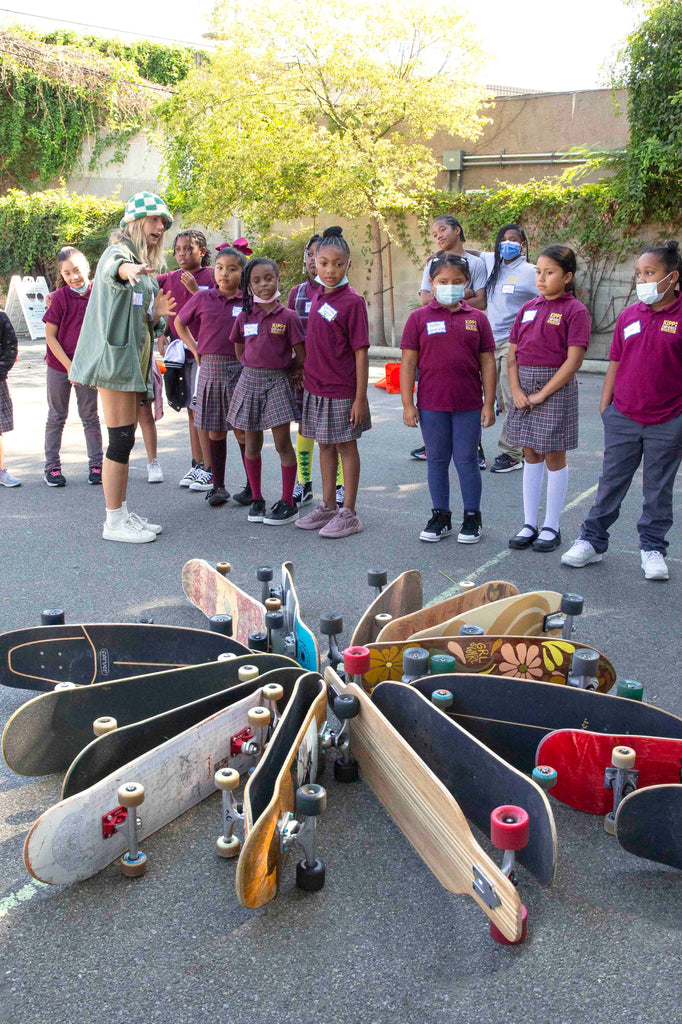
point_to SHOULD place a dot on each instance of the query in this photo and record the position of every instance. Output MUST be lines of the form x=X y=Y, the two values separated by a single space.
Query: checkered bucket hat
x=145 y=204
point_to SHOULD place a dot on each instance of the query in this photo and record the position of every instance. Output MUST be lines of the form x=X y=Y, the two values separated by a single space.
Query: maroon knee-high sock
x=288 y=483
x=253 y=472
x=218 y=459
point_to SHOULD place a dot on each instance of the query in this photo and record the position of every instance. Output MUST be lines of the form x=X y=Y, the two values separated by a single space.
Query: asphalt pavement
x=383 y=942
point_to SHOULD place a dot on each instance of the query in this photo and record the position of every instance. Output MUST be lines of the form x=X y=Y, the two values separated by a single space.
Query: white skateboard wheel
x=101 y=726
x=259 y=717
x=65 y=686
x=130 y=794
x=466 y=585
x=272 y=691
x=226 y=778
x=623 y=757
x=228 y=656
x=247 y=672
x=227 y=847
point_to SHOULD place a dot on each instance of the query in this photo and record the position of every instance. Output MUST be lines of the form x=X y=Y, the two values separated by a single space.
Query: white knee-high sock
x=533 y=475
x=557 y=485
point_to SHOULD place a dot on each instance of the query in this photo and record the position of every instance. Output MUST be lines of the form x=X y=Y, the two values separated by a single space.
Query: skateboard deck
x=107 y=753
x=402 y=628
x=215 y=594
x=66 y=844
x=511 y=716
x=540 y=658
x=522 y=615
x=580 y=759
x=401 y=597
x=291 y=759
x=45 y=734
x=40 y=658
x=649 y=824
x=299 y=640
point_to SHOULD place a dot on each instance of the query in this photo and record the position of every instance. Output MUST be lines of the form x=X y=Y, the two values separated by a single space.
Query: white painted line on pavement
x=23 y=895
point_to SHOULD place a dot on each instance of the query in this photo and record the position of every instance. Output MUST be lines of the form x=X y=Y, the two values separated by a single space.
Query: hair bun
x=673 y=245
x=333 y=232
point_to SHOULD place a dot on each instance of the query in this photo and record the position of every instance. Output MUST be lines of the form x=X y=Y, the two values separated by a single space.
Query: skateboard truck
x=584 y=669
x=311 y=801
x=571 y=606
x=227 y=780
x=332 y=626
x=377 y=578
x=244 y=742
x=620 y=776
x=130 y=795
x=272 y=692
x=221 y=624
x=415 y=664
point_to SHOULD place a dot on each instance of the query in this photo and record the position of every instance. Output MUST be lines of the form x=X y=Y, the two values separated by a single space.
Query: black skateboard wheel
x=311 y=799
x=468 y=629
x=572 y=604
x=585 y=663
x=221 y=624
x=345 y=771
x=258 y=641
x=415 y=662
x=310 y=877
x=346 y=706
x=264 y=574
x=377 y=578
x=331 y=625
x=144 y=620
x=274 y=620
x=52 y=617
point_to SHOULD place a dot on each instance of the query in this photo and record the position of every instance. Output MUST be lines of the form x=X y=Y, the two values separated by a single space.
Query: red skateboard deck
x=581 y=758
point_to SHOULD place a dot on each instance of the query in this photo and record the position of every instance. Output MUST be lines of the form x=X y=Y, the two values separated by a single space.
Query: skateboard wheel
x=346 y=706
x=259 y=717
x=377 y=578
x=310 y=877
x=246 y=673
x=502 y=939
x=629 y=688
x=52 y=617
x=258 y=641
x=623 y=757
x=442 y=664
x=345 y=771
x=133 y=868
x=331 y=625
x=442 y=699
x=381 y=620
x=144 y=620
x=610 y=823
x=273 y=604
x=130 y=794
x=227 y=847
x=221 y=624
x=356 y=661
x=226 y=778
x=274 y=619
x=264 y=574
x=101 y=726
x=227 y=656
x=311 y=799
x=272 y=691
x=545 y=776
x=468 y=629
x=224 y=568
x=466 y=585
x=65 y=686
x=509 y=827
x=572 y=604
x=415 y=662
x=585 y=663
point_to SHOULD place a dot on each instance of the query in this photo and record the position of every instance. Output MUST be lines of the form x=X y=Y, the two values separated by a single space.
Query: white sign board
x=26 y=305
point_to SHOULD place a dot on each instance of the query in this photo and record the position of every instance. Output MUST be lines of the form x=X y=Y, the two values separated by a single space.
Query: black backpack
x=176 y=383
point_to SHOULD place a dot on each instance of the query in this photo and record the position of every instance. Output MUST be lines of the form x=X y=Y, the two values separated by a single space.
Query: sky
x=551 y=47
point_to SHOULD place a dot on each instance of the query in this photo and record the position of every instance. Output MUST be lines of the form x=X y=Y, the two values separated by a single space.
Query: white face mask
x=82 y=290
x=649 y=293
x=333 y=287
x=449 y=294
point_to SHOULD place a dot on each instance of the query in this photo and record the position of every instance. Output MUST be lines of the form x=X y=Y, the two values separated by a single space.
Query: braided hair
x=332 y=238
x=497 y=263
x=245 y=286
x=195 y=236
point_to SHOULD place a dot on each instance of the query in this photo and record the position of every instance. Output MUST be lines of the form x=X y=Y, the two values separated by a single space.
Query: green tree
x=310 y=108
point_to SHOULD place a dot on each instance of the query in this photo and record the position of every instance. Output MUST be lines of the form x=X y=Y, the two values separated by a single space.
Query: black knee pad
x=121 y=441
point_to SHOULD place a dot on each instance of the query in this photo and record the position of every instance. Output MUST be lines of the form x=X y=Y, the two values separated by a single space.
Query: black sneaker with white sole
x=244 y=497
x=257 y=510
x=471 y=529
x=438 y=526
x=303 y=493
x=506 y=464
x=280 y=513
x=218 y=496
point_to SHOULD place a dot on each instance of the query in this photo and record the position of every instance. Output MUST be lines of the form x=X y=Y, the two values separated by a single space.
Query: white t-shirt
x=515 y=285
x=477 y=269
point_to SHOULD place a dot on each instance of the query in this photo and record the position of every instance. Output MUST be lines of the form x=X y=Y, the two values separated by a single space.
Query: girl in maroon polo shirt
x=335 y=407
x=63 y=321
x=264 y=335
x=204 y=325
x=547 y=345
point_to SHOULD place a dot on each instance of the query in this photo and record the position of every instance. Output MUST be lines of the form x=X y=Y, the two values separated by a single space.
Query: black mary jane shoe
x=548 y=545
x=518 y=543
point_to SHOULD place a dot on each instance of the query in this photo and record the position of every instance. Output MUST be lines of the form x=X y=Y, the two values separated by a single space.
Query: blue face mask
x=510 y=250
x=343 y=281
x=80 y=291
x=449 y=294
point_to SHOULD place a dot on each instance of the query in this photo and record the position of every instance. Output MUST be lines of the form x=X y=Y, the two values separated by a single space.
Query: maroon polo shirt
x=66 y=312
x=449 y=344
x=172 y=283
x=268 y=338
x=544 y=329
x=210 y=316
x=647 y=346
x=337 y=328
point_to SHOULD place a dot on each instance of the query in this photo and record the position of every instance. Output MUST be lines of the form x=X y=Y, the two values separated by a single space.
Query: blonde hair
x=152 y=256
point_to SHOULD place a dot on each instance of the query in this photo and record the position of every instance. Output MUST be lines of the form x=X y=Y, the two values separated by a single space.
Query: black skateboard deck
x=108 y=753
x=511 y=716
x=45 y=734
x=40 y=658
x=649 y=824
x=478 y=779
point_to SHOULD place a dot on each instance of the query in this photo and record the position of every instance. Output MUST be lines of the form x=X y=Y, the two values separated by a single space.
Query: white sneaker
x=203 y=480
x=154 y=528
x=580 y=553
x=154 y=472
x=189 y=477
x=130 y=531
x=654 y=565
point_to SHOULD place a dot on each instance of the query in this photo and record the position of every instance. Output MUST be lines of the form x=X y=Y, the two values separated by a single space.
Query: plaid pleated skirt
x=6 y=413
x=262 y=399
x=218 y=376
x=551 y=426
x=327 y=420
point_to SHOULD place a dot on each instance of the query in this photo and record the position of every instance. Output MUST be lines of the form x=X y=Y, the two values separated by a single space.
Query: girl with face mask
x=641 y=408
x=452 y=346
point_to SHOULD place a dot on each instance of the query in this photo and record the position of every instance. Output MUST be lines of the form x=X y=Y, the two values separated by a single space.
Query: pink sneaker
x=316 y=519
x=343 y=524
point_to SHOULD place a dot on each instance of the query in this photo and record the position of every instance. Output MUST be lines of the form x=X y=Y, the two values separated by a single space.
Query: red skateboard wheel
x=509 y=827
x=502 y=939
x=356 y=661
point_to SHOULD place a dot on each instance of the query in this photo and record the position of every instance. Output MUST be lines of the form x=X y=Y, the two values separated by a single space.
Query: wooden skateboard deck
x=403 y=628
x=580 y=759
x=66 y=844
x=215 y=594
x=649 y=824
x=538 y=659
x=46 y=733
x=107 y=753
x=511 y=716
x=522 y=615
x=291 y=759
x=401 y=597
x=40 y=658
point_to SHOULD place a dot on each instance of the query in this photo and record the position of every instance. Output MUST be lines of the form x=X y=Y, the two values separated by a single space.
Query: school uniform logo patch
x=436 y=327
x=471 y=325
x=277 y=328
x=669 y=326
x=554 y=318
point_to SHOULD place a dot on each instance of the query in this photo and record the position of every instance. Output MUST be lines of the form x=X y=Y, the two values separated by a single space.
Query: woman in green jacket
x=116 y=345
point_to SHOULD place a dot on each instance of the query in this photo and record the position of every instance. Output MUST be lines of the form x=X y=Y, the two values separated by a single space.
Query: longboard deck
x=649 y=824
x=290 y=760
x=522 y=615
x=307 y=652
x=46 y=733
x=40 y=658
x=106 y=754
x=434 y=615
x=580 y=759
x=511 y=716
x=215 y=594
x=400 y=597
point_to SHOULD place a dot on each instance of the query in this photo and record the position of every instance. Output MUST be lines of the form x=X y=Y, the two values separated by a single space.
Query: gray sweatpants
x=626 y=442
x=58 y=395
x=504 y=398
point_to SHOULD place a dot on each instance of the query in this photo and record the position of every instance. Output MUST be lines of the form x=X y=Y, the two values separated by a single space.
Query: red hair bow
x=239 y=243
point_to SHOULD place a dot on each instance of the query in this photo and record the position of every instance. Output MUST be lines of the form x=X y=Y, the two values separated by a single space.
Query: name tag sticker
x=138 y=298
x=528 y=316
x=634 y=328
x=436 y=327
x=328 y=312
x=250 y=330
x=508 y=289
x=203 y=287
x=236 y=310
x=307 y=307
x=150 y=308
x=669 y=326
